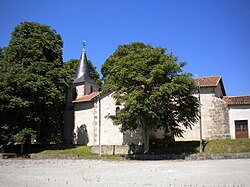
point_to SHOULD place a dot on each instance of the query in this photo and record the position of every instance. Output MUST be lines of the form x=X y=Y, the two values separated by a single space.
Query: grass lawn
x=188 y=147
x=209 y=147
x=82 y=151
x=227 y=146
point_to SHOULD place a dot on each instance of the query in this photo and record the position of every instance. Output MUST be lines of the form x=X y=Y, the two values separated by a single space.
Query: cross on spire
x=84 y=44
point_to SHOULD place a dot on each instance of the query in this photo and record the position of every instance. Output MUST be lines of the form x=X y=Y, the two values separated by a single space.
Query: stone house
x=222 y=116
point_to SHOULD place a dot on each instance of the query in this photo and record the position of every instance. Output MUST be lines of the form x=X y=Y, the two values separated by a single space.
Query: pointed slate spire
x=82 y=73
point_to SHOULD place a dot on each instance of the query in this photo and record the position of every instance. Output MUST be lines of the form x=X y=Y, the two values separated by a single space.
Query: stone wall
x=214 y=118
x=117 y=149
x=219 y=126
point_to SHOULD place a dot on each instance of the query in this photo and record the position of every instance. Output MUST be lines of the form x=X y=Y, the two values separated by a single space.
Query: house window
x=91 y=89
x=117 y=110
x=241 y=129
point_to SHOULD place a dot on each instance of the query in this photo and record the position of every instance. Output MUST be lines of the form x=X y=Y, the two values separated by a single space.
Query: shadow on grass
x=36 y=148
x=185 y=147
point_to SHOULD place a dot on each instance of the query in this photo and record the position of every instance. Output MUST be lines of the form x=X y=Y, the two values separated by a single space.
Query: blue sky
x=213 y=36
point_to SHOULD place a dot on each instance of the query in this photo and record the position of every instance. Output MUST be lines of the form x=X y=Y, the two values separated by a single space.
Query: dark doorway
x=241 y=129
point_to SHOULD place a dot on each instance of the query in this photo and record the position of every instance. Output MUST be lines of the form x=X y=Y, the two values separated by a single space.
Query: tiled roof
x=86 y=98
x=237 y=100
x=211 y=81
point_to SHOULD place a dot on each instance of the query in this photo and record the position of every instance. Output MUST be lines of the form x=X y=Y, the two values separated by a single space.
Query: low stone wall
x=53 y=156
x=138 y=156
x=117 y=149
x=156 y=157
x=218 y=156
x=190 y=157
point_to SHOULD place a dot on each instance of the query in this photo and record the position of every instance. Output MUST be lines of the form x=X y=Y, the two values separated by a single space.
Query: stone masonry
x=219 y=126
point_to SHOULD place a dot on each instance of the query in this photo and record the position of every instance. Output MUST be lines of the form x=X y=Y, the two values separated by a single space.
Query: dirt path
x=28 y=172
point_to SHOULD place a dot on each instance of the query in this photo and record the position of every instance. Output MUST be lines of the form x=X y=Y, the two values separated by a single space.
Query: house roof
x=237 y=100
x=86 y=98
x=211 y=81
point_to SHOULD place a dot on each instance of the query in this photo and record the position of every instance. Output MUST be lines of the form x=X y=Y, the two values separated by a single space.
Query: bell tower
x=83 y=83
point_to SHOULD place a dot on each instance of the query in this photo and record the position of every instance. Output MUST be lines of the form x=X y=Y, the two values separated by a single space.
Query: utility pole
x=100 y=148
x=199 y=96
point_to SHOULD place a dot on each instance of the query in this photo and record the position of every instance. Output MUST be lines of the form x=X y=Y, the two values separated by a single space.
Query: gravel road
x=214 y=173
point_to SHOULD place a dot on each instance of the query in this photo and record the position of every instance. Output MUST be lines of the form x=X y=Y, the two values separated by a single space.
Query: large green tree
x=33 y=83
x=153 y=89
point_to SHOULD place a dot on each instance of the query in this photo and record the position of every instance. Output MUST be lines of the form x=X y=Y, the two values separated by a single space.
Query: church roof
x=82 y=73
x=211 y=81
x=237 y=100
x=86 y=98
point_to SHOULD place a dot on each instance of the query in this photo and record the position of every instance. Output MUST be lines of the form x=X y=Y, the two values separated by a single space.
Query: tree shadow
x=36 y=148
x=134 y=140
x=180 y=147
x=82 y=137
x=132 y=137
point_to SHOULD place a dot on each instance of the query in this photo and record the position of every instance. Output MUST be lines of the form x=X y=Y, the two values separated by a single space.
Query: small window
x=91 y=89
x=117 y=110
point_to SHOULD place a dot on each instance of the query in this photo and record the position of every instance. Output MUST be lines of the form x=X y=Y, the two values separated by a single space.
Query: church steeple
x=82 y=74
x=83 y=82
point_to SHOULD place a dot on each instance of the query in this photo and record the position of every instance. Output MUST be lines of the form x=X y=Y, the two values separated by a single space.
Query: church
x=86 y=119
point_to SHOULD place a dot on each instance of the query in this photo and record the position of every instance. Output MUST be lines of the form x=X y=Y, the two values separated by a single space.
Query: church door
x=241 y=129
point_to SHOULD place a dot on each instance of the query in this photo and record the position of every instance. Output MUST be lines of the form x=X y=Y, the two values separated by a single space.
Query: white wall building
x=222 y=116
x=239 y=116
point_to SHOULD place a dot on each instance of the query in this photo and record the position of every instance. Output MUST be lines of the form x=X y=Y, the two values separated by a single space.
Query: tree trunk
x=146 y=145
x=145 y=137
x=22 y=148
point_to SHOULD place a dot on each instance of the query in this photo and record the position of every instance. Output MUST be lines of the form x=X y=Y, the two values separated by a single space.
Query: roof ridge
x=218 y=80
x=237 y=100
x=207 y=77
x=238 y=96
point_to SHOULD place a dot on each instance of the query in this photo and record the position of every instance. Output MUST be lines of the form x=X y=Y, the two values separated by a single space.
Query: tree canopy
x=33 y=83
x=153 y=89
x=32 y=44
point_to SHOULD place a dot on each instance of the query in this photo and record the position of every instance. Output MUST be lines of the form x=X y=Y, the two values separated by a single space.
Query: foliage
x=23 y=135
x=154 y=90
x=2 y=51
x=33 y=43
x=33 y=83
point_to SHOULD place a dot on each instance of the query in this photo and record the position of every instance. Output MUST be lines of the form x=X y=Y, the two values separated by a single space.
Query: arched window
x=117 y=109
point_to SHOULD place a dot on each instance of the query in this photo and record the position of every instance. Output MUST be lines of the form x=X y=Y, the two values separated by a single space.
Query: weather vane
x=84 y=44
